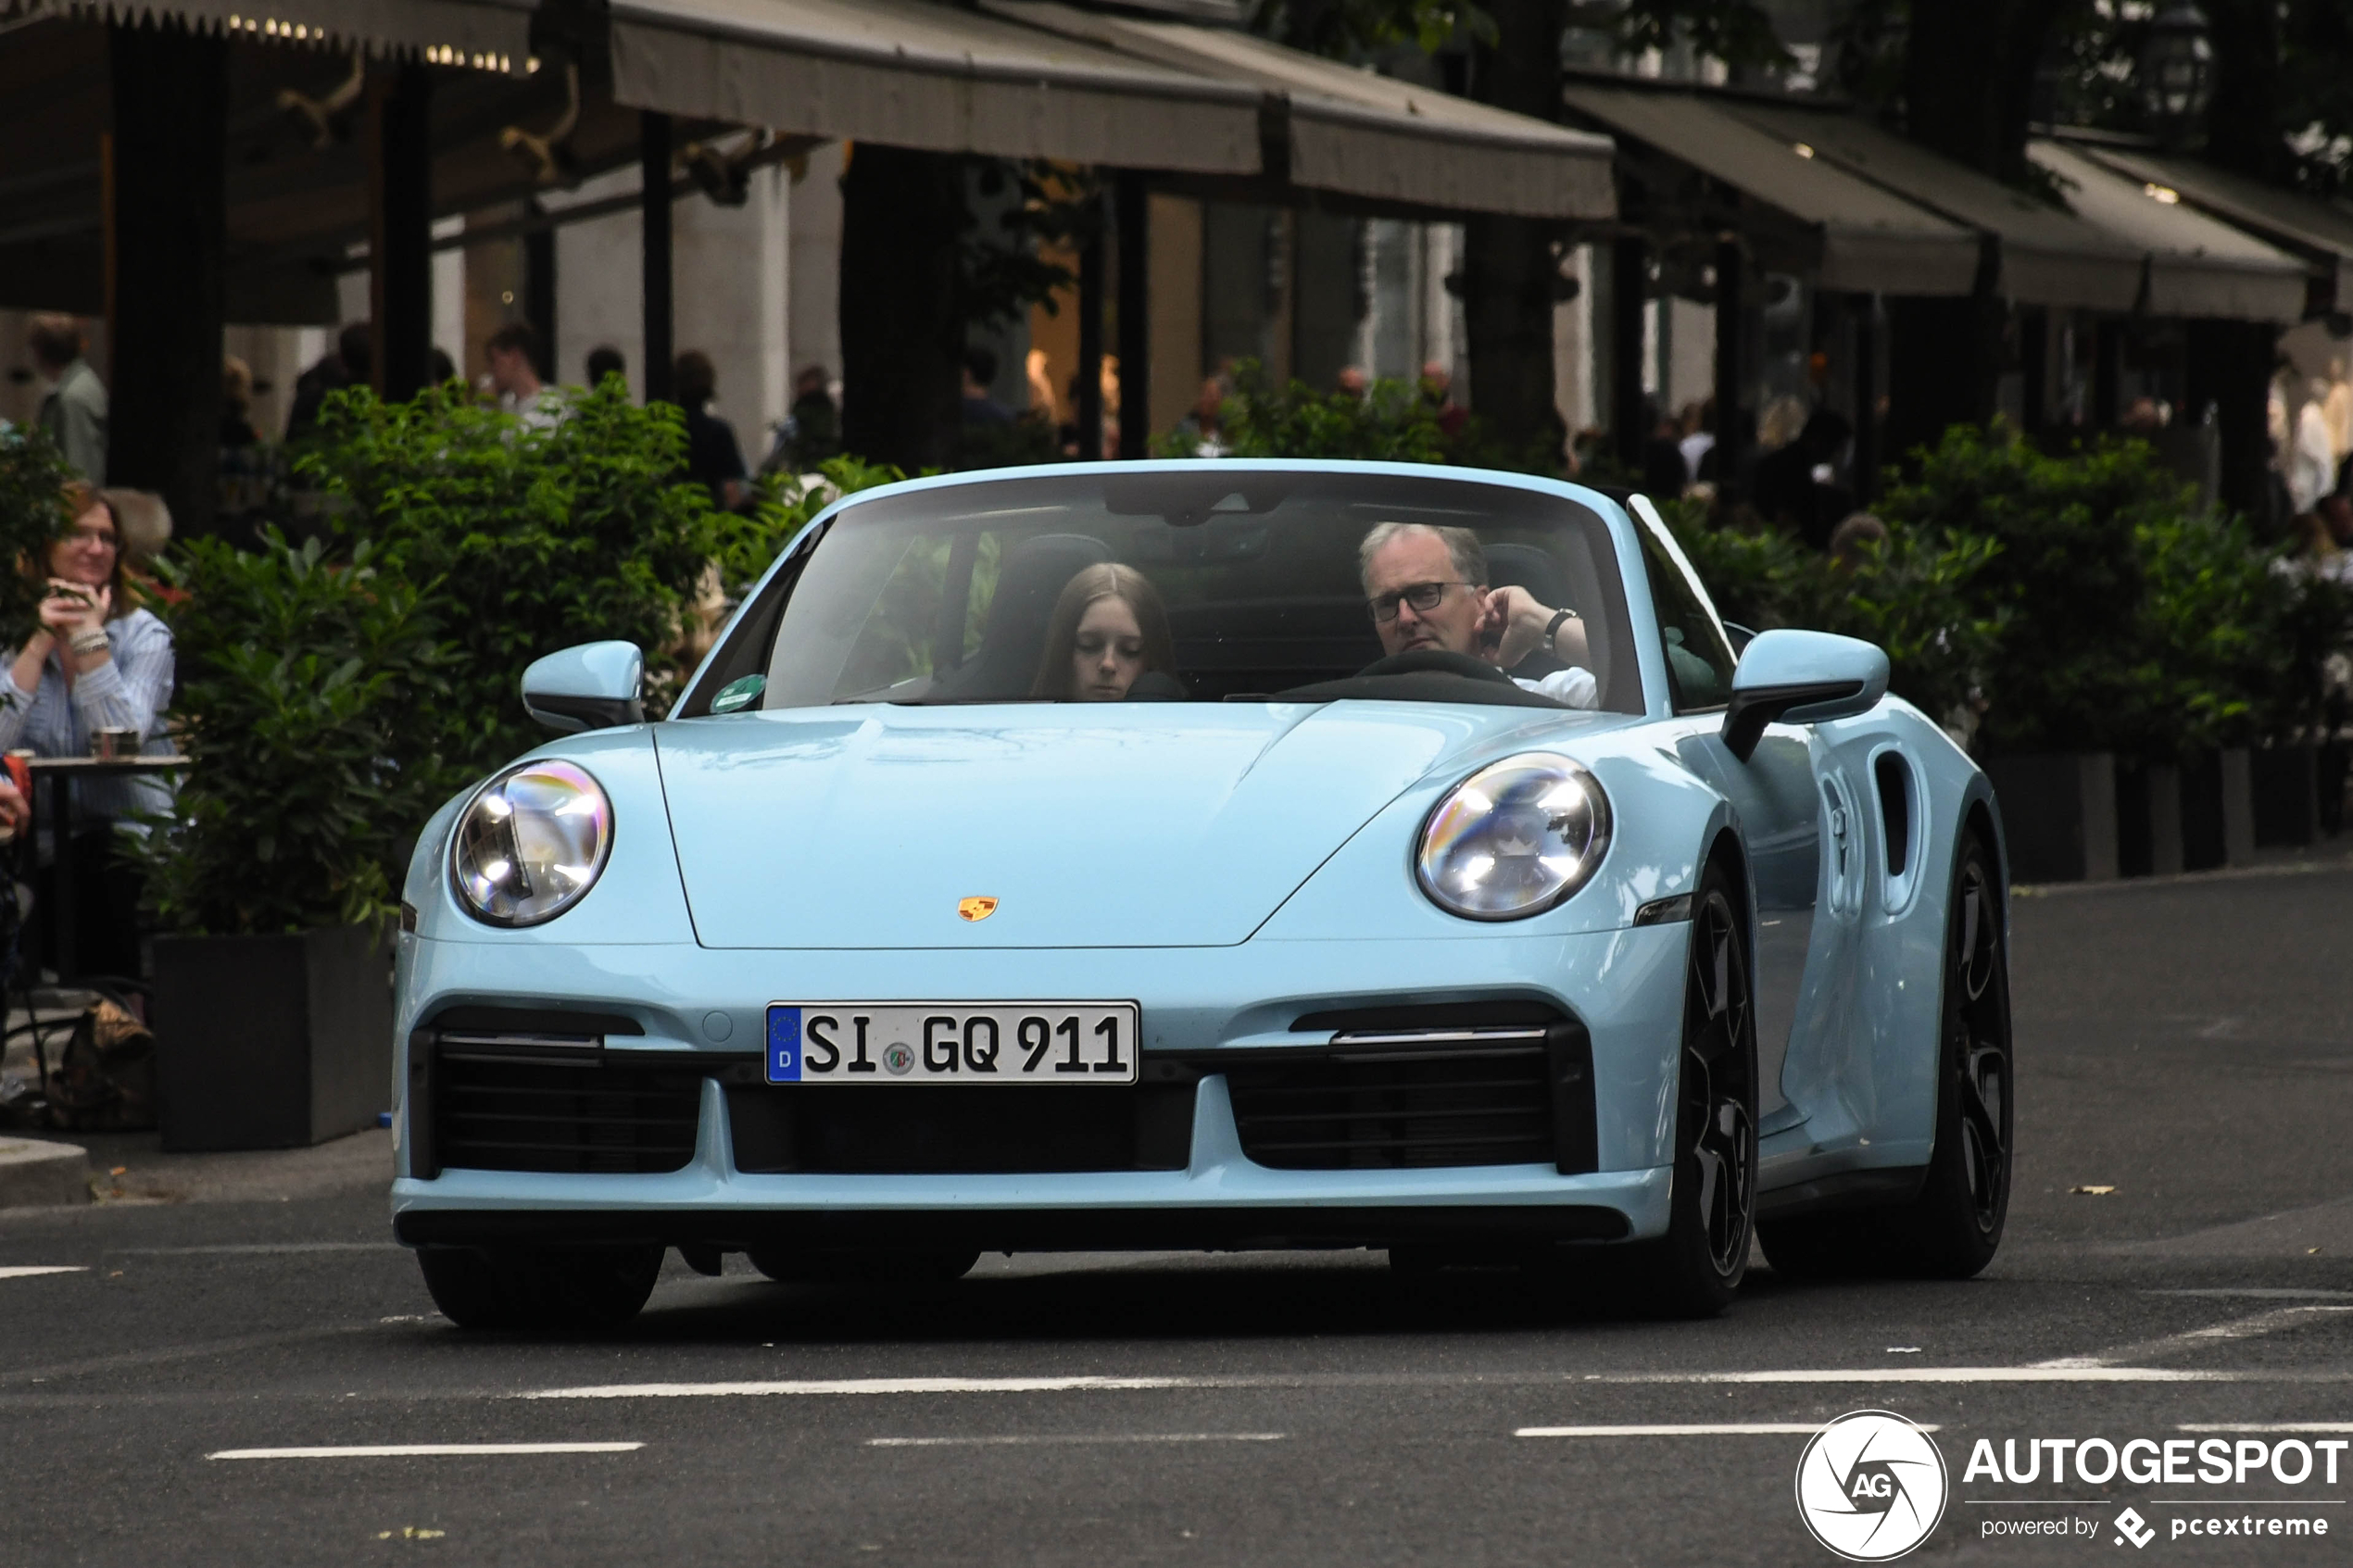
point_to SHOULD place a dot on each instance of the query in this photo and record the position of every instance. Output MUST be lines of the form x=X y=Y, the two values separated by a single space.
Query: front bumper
x=1624 y=987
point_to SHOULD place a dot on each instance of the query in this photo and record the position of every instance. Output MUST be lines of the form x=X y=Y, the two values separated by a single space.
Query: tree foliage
x=296 y=673
x=536 y=538
x=33 y=475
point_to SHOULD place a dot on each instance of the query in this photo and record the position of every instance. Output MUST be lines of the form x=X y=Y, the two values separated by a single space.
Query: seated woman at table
x=97 y=661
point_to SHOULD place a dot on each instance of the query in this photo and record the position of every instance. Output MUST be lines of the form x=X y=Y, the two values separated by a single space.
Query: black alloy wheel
x=568 y=1288
x=1696 y=1268
x=1952 y=1227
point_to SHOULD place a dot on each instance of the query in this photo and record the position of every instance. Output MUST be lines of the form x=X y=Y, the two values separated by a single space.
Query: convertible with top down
x=1211 y=854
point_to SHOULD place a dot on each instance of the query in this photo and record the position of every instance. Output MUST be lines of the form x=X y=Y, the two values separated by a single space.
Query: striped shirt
x=129 y=692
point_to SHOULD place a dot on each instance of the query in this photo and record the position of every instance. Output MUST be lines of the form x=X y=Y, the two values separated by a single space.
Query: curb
x=35 y=1175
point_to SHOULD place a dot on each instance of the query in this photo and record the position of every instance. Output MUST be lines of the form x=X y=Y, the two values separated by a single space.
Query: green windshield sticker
x=739 y=694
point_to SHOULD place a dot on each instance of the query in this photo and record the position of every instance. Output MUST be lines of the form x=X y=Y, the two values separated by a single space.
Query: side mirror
x=1801 y=677
x=593 y=686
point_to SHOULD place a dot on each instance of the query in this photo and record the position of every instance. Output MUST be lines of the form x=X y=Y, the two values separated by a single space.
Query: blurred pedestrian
x=1204 y=425
x=1788 y=487
x=1351 y=382
x=73 y=410
x=350 y=364
x=2311 y=466
x=440 y=367
x=1698 y=424
x=236 y=404
x=605 y=360
x=95 y=661
x=815 y=422
x=1664 y=473
x=1855 y=540
x=714 y=460
x=980 y=408
x=512 y=353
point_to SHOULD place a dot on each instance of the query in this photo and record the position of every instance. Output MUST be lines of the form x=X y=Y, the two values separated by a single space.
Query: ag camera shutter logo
x=1871 y=1485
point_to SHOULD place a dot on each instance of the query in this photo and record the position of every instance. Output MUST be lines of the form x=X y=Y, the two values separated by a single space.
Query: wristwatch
x=1552 y=628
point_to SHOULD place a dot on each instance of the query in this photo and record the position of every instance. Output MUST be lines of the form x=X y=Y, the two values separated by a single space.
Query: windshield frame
x=748 y=639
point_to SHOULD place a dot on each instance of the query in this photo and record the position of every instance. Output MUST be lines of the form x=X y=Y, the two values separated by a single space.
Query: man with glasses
x=1427 y=589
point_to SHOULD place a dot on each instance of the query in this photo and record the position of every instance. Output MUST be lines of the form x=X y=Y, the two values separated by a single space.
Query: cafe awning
x=2198 y=266
x=932 y=77
x=1357 y=134
x=2048 y=256
x=2320 y=232
x=1029 y=79
x=480 y=34
x=1850 y=232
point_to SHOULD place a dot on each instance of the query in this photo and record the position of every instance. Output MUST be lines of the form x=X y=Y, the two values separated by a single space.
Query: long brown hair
x=1109 y=580
x=81 y=496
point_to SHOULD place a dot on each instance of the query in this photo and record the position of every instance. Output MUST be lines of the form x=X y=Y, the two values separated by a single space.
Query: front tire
x=559 y=1289
x=1696 y=1269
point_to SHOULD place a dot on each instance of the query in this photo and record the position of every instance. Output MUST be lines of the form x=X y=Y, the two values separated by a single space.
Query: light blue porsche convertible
x=1211 y=854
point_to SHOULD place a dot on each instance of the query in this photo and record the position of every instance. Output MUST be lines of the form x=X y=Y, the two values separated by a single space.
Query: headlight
x=1514 y=839
x=529 y=843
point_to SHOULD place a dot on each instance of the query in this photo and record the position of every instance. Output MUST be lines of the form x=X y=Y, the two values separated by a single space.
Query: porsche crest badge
x=977 y=908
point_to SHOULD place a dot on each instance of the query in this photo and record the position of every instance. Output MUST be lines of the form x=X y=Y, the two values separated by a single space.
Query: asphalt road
x=2187 y=1044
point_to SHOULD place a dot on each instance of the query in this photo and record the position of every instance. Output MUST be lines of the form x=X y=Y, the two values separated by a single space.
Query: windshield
x=1208 y=585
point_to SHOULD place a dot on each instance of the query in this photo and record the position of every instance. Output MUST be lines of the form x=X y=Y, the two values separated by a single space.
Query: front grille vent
x=1403 y=1099
x=496 y=1111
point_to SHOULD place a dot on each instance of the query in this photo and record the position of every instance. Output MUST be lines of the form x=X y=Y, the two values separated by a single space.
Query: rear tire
x=1953 y=1228
x=582 y=1288
x=1696 y=1269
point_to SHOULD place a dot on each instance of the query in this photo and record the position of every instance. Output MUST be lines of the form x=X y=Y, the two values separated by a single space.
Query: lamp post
x=2176 y=75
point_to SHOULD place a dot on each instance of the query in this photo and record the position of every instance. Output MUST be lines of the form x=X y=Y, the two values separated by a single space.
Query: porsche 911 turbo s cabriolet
x=1210 y=854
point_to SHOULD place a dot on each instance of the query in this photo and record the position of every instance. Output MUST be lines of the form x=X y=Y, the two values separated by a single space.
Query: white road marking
x=257 y=1249
x=2265 y=1427
x=407 y=1451
x=2260 y=1293
x=1825 y=1376
x=870 y=1385
x=26 y=1271
x=1041 y=1438
x=2199 y=1339
x=1699 y=1429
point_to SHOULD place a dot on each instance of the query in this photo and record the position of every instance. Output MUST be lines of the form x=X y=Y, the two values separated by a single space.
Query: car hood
x=1120 y=826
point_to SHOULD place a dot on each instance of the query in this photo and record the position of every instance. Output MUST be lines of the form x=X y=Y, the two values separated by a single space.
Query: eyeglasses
x=96 y=536
x=1423 y=597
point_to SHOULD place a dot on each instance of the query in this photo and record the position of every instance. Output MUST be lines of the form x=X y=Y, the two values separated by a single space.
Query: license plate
x=1071 y=1043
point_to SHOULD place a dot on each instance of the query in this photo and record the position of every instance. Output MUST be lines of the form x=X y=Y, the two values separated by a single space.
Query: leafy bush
x=1392 y=422
x=1914 y=596
x=535 y=539
x=33 y=475
x=749 y=543
x=294 y=675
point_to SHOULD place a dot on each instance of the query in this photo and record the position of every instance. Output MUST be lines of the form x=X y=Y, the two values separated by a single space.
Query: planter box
x=2059 y=815
x=2218 y=810
x=2287 y=797
x=270 y=1042
x=2148 y=820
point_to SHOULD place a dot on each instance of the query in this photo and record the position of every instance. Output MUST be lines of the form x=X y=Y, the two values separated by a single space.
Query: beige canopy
x=1864 y=238
x=483 y=34
x=2320 y=232
x=927 y=76
x=2197 y=265
x=1029 y=79
x=2048 y=256
x=1354 y=132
